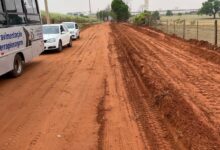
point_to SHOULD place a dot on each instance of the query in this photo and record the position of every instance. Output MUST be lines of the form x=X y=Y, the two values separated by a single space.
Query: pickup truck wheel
x=18 y=66
x=70 y=43
x=60 y=47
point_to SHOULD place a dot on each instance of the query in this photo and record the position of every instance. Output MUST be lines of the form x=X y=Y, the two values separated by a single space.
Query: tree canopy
x=169 y=13
x=121 y=10
x=147 y=18
x=156 y=15
x=210 y=7
x=103 y=14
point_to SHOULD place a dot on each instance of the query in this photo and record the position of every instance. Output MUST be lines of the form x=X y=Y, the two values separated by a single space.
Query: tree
x=210 y=7
x=156 y=15
x=146 y=18
x=121 y=10
x=103 y=15
x=142 y=18
x=169 y=13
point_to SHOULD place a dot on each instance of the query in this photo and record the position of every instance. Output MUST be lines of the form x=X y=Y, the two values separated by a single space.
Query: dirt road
x=119 y=88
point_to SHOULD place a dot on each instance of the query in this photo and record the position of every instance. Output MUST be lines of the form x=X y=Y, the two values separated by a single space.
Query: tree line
x=119 y=11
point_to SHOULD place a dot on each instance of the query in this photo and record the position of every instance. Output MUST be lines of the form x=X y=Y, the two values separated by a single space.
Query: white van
x=74 y=29
x=21 y=37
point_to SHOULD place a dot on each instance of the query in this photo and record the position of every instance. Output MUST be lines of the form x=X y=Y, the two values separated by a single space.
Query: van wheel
x=18 y=66
x=78 y=36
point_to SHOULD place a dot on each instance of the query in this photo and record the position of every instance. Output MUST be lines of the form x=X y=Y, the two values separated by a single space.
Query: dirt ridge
x=165 y=96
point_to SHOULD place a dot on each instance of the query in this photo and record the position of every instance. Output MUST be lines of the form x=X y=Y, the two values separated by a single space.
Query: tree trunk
x=214 y=16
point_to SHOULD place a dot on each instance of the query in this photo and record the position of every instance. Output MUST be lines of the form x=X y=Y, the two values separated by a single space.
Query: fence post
x=197 y=30
x=174 y=25
x=216 y=32
x=184 y=29
x=167 y=26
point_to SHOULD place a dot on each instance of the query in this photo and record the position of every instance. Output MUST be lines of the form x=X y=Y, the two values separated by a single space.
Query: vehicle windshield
x=70 y=25
x=51 y=30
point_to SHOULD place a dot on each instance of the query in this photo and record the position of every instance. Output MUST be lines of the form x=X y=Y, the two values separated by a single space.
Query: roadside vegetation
x=146 y=18
x=198 y=25
x=211 y=8
x=58 y=18
x=119 y=11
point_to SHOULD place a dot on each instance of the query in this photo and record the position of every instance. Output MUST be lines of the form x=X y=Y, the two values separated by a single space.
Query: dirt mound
x=172 y=80
x=203 y=44
x=200 y=43
x=199 y=48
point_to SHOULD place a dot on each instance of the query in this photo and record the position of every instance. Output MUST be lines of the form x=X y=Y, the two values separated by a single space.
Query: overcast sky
x=65 y=6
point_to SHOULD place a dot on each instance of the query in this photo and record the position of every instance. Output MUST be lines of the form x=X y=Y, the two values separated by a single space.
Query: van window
x=70 y=25
x=3 y=21
x=34 y=6
x=18 y=5
x=31 y=6
x=16 y=19
x=10 y=6
x=1 y=8
x=14 y=6
x=33 y=19
x=65 y=28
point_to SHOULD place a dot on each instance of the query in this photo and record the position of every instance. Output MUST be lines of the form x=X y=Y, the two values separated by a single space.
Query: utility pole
x=47 y=11
x=90 y=8
x=146 y=4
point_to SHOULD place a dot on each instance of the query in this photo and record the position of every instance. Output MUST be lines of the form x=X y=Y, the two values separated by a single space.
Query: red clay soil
x=120 y=87
x=197 y=47
x=74 y=100
x=164 y=76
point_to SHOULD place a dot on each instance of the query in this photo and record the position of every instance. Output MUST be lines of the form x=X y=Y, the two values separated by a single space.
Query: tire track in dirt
x=201 y=83
x=20 y=129
x=101 y=117
x=207 y=86
x=181 y=48
x=56 y=60
x=144 y=54
x=153 y=127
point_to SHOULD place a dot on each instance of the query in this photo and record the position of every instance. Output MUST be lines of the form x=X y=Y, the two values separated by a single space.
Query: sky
x=64 y=6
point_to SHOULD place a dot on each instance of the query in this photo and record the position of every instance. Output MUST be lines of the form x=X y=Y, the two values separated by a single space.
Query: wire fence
x=202 y=30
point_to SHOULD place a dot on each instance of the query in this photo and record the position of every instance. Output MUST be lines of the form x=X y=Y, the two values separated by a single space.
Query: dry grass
x=205 y=27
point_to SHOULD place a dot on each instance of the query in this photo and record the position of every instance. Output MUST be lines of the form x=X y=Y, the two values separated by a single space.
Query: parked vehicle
x=56 y=36
x=21 y=37
x=74 y=29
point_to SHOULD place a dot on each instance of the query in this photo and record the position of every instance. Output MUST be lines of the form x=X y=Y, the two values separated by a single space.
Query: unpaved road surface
x=119 y=88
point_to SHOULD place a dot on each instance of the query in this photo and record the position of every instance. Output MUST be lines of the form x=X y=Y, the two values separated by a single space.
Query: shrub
x=146 y=18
